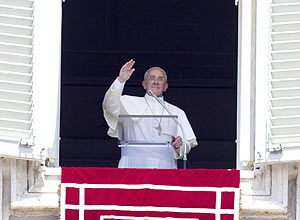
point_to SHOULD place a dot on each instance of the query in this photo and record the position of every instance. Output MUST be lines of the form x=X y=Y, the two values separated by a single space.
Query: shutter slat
x=286 y=26
x=6 y=133
x=16 y=20
x=292 y=140
x=15 y=39
x=15 y=105
x=286 y=45
x=286 y=130
x=286 y=92
x=286 y=17
x=286 y=120
x=285 y=1
x=285 y=73
x=287 y=83
x=15 y=114
x=16 y=67
x=286 y=55
x=18 y=3
x=285 y=64
x=16 y=58
x=286 y=7
x=15 y=48
x=15 y=86
x=16 y=29
x=285 y=102
x=16 y=11
x=15 y=124
x=15 y=76
x=285 y=111
x=285 y=36
x=15 y=96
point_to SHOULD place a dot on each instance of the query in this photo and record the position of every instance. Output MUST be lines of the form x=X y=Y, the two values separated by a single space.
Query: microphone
x=177 y=122
x=163 y=105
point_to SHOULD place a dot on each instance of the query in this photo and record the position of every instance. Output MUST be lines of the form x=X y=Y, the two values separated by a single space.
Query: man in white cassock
x=116 y=104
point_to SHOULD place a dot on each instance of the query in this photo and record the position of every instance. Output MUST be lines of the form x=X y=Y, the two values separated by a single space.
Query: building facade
x=268 y=120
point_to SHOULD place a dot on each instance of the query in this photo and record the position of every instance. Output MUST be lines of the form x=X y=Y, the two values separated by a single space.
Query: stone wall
x=28 y=190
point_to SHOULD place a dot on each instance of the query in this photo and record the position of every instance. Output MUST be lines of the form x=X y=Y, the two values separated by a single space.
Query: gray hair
x=156 y=67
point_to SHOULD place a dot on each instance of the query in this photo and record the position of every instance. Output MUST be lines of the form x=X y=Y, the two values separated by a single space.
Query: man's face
x=156 y=82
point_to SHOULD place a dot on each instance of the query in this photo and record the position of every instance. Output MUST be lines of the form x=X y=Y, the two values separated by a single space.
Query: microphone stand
x=177 y=122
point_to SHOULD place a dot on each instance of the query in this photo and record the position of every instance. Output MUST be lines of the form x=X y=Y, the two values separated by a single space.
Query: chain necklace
x=159 y=122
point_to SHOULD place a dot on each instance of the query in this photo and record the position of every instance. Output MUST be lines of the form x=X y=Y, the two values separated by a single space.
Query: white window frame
x=246 y=82
x=262 y=74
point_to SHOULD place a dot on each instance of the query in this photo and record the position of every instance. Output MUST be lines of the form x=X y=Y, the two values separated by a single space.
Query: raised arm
x=111 y=102
x=126 y=71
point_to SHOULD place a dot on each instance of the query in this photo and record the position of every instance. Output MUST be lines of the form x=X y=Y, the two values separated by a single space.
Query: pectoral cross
x=159 y=129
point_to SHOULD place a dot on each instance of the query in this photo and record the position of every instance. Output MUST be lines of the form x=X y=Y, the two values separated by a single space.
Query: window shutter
x=284 y=93
x=16 y=107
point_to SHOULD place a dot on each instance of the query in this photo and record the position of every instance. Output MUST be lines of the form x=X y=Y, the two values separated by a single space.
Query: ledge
x=55 y=171
x=261 y=205
x=36 y=204
x=246 y=174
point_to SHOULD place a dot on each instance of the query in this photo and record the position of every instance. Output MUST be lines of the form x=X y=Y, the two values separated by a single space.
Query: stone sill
x=246 y=174
x=36 y=204
x=53 y=171
x=261 y=205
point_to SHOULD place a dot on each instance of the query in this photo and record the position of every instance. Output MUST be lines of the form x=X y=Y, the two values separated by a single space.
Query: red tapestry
x=149 y=194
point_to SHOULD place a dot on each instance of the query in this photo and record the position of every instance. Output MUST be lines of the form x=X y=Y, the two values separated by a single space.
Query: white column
x=246 y=83
x=262 y=74
x=46 y=77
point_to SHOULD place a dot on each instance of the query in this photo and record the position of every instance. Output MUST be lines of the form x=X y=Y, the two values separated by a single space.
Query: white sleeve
x=112 y=105
x=117 y=85
x=111 y=102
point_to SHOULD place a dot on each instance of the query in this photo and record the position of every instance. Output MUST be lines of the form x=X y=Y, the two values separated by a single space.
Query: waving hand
x=126 y=71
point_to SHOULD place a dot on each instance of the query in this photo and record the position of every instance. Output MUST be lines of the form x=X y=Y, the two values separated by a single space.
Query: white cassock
x=114 y=104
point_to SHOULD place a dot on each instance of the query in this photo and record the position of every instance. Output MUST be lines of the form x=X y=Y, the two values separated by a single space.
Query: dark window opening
x=194 y=41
